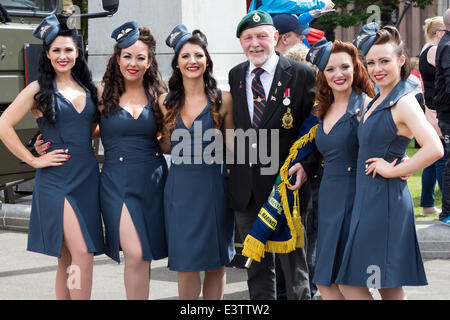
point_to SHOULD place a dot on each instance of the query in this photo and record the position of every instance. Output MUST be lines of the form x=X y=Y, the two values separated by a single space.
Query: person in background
x=306 y=11
x=415 y=68
x=415 y=76
x=291 y=32
x=441 y=103
x=427 y=68
x=289 y=6
x=299 y=53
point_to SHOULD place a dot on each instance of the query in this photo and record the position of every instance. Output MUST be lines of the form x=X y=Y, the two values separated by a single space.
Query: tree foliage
x=355 y=13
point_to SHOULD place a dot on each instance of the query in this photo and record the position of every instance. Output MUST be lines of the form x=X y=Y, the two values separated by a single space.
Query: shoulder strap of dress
x=356 y=103
x=364 y=110
x=86 y=89
x=361 y=106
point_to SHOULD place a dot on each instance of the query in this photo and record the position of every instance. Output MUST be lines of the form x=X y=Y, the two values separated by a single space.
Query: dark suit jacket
x=245 y=179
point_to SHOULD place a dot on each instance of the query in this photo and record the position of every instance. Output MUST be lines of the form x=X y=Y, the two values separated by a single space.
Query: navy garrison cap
x=319 y=54
x=126 y=35
x=178 y=37
x=366 y=37
x=48 y=29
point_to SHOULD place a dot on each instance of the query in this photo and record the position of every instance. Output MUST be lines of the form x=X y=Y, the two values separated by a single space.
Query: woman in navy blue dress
x=65 y=217
x=382 y=249
x=135 y=170
x=199 y=225
x=343 y=87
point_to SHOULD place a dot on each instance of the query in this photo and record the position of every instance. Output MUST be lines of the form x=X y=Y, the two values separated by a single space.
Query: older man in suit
x=269 y=93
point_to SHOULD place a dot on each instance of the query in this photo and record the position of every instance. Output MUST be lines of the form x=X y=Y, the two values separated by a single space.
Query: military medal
x=287 y=94
x=288 y=120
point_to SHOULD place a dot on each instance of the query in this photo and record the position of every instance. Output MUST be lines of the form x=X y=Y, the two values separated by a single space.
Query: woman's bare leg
x=355 y=293
x=79 y=279
x=61 y=289
x=396 y=293
x=330 y=293
x=189 y=285
x=214 y=284
x=137 y=270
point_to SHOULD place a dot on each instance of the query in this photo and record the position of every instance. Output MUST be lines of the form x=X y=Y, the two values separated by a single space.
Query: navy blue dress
x=339 y=149
x=77 y=180
x=199 y=224
x=134 y=174
x=382 y=250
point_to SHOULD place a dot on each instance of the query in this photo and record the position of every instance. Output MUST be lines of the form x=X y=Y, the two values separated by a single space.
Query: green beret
x=253 y=19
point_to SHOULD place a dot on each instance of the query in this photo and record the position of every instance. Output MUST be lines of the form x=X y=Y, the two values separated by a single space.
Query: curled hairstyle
x=45 y=97
x=361 y=82
x=431 y=26
x=390 y=34
x=176 y=97
x=114 y=82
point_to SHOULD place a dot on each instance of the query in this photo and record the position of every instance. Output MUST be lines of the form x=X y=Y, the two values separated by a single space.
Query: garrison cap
x=320 y=52
x=366 y=37
x=178 y=37
x=253 y=19
x=126 y=34
x=48 y=29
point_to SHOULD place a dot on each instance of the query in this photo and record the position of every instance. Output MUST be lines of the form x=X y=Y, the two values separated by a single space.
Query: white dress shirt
x=266 y=79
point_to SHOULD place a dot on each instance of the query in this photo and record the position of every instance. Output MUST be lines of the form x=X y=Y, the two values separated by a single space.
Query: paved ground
x=30 y=276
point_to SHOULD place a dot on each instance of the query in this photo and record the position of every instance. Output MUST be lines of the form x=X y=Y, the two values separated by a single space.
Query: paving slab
x=31 y=276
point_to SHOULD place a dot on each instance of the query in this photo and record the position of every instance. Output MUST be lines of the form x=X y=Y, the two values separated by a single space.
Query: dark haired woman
x=199 y=225
x=382 y=249
x=65 y=217
x=343 y=89
x=135 y=170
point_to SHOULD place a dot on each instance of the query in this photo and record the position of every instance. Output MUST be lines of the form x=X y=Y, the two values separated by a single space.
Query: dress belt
x=72 y=148
x=341 y=168
x=132 y=157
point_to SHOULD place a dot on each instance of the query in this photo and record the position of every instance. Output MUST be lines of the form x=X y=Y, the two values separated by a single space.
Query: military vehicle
x=19 y=56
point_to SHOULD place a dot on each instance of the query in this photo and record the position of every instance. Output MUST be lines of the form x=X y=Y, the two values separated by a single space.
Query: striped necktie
x=259 y=97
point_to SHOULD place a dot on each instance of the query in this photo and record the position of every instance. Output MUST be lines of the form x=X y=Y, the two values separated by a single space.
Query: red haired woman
x=343 y=87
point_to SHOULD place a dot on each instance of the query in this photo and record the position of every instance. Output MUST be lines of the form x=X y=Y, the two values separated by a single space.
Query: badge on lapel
x=287 y=120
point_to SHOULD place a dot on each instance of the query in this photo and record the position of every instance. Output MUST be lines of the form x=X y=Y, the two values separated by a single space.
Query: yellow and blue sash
x=278 y=227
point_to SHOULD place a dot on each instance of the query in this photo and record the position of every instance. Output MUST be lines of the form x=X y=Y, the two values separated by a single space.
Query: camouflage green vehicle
x=19 y=56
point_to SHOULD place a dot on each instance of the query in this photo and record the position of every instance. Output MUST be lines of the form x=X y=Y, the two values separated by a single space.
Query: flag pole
x=248 y=263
